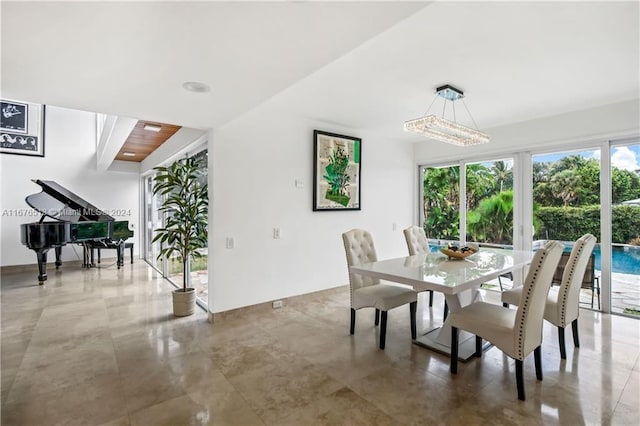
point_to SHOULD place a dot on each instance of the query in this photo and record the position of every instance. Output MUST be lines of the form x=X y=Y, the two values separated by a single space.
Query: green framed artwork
x=337 y=168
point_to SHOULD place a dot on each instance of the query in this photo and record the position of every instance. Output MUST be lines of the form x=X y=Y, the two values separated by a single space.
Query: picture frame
x=22 y=128
x=337 y=171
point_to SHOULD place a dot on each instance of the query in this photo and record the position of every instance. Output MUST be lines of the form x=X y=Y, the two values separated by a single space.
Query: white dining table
x=458 y=280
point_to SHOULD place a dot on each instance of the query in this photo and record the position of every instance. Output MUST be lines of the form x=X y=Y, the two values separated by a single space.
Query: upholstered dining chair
x=368 y=292
x=417 y=244
x=516 y=333
x=562 y=302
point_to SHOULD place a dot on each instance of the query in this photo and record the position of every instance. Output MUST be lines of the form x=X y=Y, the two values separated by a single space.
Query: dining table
x=458 y=279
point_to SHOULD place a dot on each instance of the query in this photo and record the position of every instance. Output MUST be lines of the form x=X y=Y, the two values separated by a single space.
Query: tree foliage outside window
x=442 y=202
x=566 y=200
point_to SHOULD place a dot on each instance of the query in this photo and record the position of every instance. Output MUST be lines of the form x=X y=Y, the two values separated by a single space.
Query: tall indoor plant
x=186 y=204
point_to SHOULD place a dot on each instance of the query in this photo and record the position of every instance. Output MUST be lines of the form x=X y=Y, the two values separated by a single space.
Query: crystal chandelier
x=441 y=129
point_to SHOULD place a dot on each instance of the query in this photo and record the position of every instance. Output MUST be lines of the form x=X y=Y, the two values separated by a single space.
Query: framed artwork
x=337 y=167
x=21 y=128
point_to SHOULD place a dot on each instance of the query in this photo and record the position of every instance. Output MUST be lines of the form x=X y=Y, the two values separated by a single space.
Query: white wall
x=70 y=149
x=574 y=128
x=255 y=163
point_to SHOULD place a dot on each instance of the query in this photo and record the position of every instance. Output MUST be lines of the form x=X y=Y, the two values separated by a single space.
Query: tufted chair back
x=416 y=240
x=529 y=316
x=359 y=248
x=572 y=277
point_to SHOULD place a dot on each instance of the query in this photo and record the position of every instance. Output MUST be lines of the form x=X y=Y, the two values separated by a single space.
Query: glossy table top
x=434 y=271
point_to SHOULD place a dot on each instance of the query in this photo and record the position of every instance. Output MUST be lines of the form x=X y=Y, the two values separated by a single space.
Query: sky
x=623 y=157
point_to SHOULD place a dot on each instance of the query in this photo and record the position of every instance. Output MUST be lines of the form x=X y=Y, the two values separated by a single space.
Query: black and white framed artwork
x=21 y=128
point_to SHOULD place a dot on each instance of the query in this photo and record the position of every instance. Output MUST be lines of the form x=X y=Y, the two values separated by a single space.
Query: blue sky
x=623 y=157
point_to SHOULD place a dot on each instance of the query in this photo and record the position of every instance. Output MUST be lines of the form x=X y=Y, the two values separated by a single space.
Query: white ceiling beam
x=115 y=132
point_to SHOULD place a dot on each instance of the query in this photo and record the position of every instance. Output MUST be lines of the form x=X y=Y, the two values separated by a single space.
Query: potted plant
x=186 y=204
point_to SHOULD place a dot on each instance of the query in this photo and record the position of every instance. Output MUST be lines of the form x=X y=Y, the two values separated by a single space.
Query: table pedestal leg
x=439 y=339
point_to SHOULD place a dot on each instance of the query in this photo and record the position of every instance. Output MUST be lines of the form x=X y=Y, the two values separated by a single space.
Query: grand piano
x=76 y=221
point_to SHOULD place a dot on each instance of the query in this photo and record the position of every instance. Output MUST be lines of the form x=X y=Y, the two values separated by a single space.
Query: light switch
x=230 y=242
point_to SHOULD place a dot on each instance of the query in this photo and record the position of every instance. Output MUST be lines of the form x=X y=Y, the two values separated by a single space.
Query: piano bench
x=126 y=246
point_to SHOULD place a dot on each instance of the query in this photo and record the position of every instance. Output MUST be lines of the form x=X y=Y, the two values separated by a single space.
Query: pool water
x=625 y=260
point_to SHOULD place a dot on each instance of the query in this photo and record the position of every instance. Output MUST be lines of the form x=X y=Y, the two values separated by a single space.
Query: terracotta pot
x=184 y=303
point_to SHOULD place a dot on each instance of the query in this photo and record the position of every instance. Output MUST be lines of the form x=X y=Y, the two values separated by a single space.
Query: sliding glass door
x=566 y=205
x=625 y=228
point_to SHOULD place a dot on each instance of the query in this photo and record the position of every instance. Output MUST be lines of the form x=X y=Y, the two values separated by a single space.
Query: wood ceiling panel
x=141 y=142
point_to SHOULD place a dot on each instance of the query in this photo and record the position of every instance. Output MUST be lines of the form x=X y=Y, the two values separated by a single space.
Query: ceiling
x=359 y=64
x=145 y=137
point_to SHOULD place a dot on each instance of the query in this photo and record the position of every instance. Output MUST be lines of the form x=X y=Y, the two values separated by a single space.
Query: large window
x=172 y=267
x=199 y=270
x=153 y=220
x=489 y=203
x=486 y=203
x=441 y=202
x=553 y=195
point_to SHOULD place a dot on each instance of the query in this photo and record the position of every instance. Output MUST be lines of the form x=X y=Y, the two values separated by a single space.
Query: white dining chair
x=561 y=307
x=368 y=292
x=516 y=333
x=417 y=244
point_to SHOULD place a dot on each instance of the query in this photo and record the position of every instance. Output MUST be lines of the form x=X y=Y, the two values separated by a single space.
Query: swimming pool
x=624 y=259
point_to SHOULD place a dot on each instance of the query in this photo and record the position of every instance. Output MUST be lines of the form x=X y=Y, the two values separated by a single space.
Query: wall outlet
x=299 y=183
x=276 y=233
x=394 y=226
x=277 y=304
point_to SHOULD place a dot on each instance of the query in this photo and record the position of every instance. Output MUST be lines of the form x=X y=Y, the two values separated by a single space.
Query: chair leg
x=377 y=320
x=353 y=321
x=576 y=337
x=563 y=351
x=383 y=330
x=519 y=380
x=446 y=311
x=412 y=311
x=430 y=298
x=500 y=282
x=505 y=305
x=453 y=367
x=598 y=289
x=478 y=346
x=537 y=355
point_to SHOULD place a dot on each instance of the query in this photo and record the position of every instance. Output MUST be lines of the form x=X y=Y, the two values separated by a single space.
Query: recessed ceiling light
x=152 y=127
x=195 y=86
x=129 y=154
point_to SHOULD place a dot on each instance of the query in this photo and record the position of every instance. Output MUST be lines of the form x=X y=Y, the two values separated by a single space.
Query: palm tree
x=565 y=185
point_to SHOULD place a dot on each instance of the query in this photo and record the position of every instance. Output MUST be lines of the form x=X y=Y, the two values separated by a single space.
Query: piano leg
x=120 y=255
x=58 y=253
x=86 y=261
x=42 y=265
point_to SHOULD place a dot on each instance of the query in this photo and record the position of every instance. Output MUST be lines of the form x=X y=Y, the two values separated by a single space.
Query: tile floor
x=100 y=347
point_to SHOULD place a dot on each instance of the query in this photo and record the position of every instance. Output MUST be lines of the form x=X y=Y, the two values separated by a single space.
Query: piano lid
x=59 y=203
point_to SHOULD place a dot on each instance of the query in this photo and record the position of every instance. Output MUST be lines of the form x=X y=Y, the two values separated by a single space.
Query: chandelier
x=441 y=129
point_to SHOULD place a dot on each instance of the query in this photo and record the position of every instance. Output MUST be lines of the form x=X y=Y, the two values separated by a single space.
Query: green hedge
x=569 y=223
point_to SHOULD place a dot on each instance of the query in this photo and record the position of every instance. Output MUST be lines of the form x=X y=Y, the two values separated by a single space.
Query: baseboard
x=242 y=312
